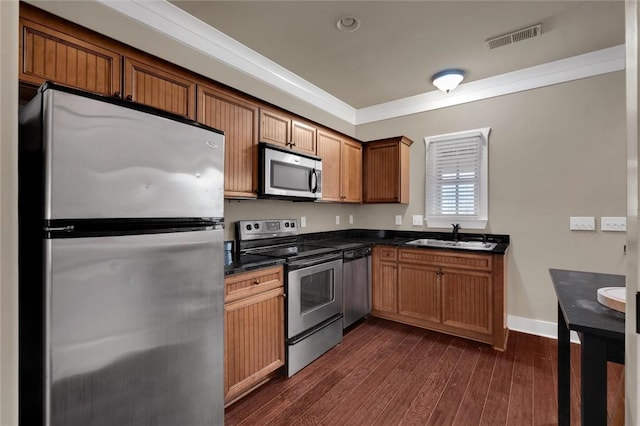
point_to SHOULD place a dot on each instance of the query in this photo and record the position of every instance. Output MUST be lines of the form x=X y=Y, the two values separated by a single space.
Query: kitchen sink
x=465 y=245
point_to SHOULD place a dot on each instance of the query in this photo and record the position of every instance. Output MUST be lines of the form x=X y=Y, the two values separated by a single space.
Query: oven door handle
x=313 y=181
x=315 y=260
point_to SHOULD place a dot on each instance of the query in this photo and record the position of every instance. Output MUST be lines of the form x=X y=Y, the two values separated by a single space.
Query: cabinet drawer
x=387 y=253
x=250 y=283
x=477 y=262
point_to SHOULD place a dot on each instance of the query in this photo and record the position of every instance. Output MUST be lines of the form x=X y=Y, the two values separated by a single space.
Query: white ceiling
x=400 y=44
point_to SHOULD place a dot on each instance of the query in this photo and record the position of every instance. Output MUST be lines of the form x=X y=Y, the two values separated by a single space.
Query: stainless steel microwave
x=288 y=175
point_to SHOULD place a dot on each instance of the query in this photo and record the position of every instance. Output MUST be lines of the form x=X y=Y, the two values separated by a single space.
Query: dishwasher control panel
x=356 y=253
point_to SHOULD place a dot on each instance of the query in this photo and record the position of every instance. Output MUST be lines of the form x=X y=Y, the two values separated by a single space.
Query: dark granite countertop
x=249 y=262
x=353 y=238
x=577 y=297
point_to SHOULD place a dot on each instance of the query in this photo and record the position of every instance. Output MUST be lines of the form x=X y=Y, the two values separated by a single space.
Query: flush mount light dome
x=447 y=80
x=348 y=24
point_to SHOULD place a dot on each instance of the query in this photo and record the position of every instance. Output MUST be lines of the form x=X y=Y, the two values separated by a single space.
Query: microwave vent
x=514 y=37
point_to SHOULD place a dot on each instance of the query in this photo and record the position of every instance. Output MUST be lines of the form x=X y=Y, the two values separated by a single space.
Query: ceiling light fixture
x=447 y=80
x=348 y=24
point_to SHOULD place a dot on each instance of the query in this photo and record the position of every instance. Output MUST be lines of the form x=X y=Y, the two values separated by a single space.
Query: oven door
x=314 y=294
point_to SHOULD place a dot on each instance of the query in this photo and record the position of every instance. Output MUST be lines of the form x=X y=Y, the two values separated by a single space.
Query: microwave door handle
x=313 y=181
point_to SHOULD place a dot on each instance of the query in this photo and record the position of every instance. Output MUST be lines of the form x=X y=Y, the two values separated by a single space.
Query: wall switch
x=582 y=223
x=398 y=219
x=303 y=222
x=337 y=220
x=417 y=219
x=613 y=224
x=350 y=219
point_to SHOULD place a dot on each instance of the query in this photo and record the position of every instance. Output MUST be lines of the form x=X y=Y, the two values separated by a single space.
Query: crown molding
x=175 y=23
x=561 y=71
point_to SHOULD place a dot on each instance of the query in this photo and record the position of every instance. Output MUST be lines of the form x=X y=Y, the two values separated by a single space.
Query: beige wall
x=8 y=213
x=554 y=152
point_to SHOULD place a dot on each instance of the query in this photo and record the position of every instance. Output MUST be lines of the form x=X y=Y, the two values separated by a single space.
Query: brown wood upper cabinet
x=238 y=119
x=280 y=128
x=160 y=85
x=341 y=167
x=57 y=50
x=386 y=170
x=51 y=49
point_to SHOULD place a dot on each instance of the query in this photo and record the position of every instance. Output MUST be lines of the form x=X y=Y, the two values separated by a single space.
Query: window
x=457 y=169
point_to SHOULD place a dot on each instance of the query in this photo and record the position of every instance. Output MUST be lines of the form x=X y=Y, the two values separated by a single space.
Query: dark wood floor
x=385 y=373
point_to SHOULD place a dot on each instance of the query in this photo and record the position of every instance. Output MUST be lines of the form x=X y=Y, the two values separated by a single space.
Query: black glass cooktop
x=294 y=251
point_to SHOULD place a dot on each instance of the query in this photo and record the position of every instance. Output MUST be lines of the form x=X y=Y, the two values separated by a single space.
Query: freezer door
x=108 y=161
x=135 y=330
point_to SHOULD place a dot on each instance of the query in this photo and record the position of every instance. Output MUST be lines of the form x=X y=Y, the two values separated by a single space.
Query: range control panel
x=271 y=228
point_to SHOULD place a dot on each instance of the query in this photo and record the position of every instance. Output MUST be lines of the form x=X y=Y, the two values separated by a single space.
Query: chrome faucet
x=456 y=228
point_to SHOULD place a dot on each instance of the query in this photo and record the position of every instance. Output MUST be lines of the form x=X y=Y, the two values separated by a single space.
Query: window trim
x=476 y=222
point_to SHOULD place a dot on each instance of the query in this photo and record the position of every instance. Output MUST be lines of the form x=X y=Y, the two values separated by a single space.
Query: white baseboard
x=537 y=327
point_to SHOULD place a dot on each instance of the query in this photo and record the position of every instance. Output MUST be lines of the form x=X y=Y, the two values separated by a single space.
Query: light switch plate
x=582 y=223
x=337 y=220
x=303 y=222
x=417 y=219
x=618 y=224
x=398 y=219
x=350 y=219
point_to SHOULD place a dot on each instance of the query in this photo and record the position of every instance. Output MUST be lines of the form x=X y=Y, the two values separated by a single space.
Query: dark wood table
x=601 y=332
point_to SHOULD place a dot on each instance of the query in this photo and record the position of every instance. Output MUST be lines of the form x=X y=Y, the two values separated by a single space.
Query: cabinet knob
x=256 y=282
x=117 y=95
x=129 y=98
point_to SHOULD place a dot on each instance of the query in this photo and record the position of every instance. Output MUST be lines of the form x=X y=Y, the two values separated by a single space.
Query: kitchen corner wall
x=554 y=152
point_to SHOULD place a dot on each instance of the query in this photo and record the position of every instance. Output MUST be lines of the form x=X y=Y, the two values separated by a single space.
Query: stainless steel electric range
x=313 y=287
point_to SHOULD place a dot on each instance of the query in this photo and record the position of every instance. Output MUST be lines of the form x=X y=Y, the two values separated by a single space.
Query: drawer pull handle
x=256 y=282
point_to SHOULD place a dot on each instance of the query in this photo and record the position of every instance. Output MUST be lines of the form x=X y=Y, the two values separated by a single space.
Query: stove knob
x=286 y=224
x=256 y=225
x=248 y=227
x=293 y=224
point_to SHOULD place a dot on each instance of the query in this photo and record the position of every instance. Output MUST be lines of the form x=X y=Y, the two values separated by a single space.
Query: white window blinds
x=456 y=171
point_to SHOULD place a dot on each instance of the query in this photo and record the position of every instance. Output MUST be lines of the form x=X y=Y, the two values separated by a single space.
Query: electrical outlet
x=337 y=220
x=582 y=223
x=303 y=222
x=350 y=219
x=398 y=219
x=417 y=219
x=613 y=223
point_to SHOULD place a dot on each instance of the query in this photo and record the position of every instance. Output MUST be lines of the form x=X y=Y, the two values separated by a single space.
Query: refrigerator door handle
x=69 y=228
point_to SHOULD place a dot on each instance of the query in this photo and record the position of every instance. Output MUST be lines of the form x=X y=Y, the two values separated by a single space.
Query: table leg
x=564 y=371
x=594 y=380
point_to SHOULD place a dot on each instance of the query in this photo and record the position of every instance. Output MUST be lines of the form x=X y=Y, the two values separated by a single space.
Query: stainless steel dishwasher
x=356 y=284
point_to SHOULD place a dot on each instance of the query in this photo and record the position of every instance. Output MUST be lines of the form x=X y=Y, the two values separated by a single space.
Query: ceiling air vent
x=514 y=37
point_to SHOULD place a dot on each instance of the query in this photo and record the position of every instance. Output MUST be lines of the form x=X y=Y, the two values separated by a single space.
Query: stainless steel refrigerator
x=121 y=264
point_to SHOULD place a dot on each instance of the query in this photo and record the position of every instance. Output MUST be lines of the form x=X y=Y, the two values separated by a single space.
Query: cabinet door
x=274 y=128
x=467 y=300
x=47 y=54
x=384 y=292
x=303 y=137
x=238 y=119
x=329 y=149
x=253 y=341
x=419 y=292
x=150 y=84
x=381 y=173
x=351 y=171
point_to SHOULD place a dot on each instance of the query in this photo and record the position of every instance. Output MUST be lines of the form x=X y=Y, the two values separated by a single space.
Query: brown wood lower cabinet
x=254 y=329
x=457 y=293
